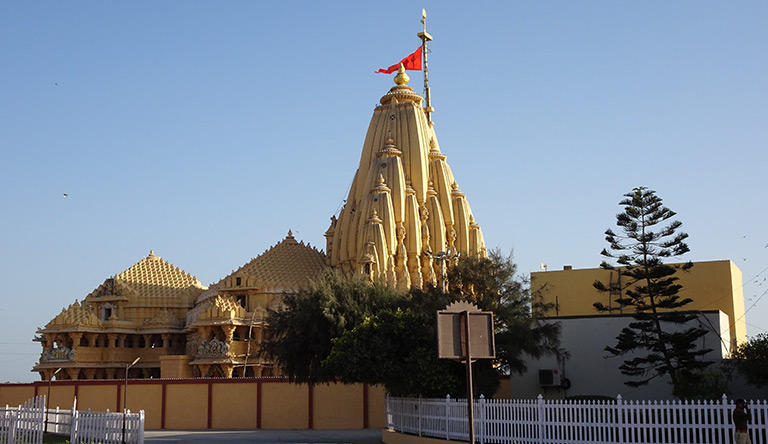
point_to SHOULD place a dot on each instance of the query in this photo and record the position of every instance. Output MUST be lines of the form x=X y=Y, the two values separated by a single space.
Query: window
x=106 y=312
x=241 y=299
x=238 y=281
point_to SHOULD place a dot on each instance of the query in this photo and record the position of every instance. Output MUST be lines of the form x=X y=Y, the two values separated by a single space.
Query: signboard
x=452 y=334
x=466 y=333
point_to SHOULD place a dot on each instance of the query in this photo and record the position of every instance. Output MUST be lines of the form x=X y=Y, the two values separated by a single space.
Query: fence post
x=619 y=419
x=73 y=426
x=387 y=412
x=12 y=428
x=481 y=418
x=141 y=427
x=447 y=416
x=726 y=416
x=418 y=409
x=540 y=418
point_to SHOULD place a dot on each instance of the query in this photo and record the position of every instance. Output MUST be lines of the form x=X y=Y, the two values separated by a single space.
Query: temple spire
x=425 y=37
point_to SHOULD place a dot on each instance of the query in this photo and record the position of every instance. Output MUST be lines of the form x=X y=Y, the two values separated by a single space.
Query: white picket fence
x=107 y=428
x=58 y=422
x=539 y=421
x=23 y=424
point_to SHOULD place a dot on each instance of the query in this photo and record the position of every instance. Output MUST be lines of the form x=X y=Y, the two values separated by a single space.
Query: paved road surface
x=367 y=436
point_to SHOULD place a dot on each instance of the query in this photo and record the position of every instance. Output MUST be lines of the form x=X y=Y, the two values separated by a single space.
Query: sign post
x=465 y=333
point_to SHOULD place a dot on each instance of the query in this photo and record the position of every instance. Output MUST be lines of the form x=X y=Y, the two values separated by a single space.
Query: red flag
x=412 y=62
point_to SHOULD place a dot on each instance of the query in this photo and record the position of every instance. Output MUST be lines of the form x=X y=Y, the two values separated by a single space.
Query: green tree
x=704 y=384
x=659 y=341
x=751 y=359
x=398 y=347
x=301 y=331
x=494 y=285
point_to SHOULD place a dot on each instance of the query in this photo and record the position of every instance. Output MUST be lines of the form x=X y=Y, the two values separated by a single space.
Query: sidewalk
x=366 y=436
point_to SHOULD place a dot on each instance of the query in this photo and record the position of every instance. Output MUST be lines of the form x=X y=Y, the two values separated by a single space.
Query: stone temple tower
x=404 y=206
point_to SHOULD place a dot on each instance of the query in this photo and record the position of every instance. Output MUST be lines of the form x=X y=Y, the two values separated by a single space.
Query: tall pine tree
x=661 y=340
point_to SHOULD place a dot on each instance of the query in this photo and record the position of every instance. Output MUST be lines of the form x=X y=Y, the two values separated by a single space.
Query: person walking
x=741 y=417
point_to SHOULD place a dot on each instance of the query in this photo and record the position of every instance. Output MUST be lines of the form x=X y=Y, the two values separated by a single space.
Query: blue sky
x=206 y=130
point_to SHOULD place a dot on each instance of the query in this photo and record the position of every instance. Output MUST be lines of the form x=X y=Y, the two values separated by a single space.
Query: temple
x=404 y=205
x=175 y=326
x=405 y=217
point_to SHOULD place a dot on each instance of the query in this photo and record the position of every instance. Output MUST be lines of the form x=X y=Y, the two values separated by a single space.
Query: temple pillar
x=112 y=341
x=229 y=331
x=204 y=369
x=228 y=368
x=147 y=341
x=72 y=373
x=166 y=340
x=48 y=374
x=75 y=338
x=90 y=373
x=111 y=373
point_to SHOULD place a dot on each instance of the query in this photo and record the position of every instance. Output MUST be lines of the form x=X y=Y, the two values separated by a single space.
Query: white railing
x=58 y=422
x=107 y=428
x=539 y=421
x=23 y=424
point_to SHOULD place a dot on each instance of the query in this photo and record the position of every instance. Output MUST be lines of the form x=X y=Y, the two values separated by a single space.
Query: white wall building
x=589 y=371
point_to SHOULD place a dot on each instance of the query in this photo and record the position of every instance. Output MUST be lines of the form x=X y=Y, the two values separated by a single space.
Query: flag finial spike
x=401 y=78
x=426 y=37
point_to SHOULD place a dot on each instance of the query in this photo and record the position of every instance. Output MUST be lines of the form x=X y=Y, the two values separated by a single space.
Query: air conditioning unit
x=549 y=378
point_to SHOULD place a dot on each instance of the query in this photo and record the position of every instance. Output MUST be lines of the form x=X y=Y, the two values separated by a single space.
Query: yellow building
x=713 y=285
x=138 y=313
x=175 y=326
x=404 y=212
x=226 y=327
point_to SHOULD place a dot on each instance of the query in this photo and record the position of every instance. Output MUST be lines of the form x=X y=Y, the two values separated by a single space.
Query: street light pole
x=441 y=258
x=125 y=395
x=48 y=399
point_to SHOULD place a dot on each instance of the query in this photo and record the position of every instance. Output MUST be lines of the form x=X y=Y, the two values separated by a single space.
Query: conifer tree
x=660 y=340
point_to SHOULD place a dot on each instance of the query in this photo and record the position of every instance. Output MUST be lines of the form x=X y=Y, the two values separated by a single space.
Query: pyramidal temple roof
x=404 y=203
x=150 y=277
x=75 y=315
x=286 y=266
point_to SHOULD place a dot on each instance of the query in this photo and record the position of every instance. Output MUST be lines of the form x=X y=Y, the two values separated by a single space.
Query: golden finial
x=401 y=78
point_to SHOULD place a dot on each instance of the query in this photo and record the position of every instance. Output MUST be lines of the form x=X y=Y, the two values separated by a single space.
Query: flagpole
x=425 y=37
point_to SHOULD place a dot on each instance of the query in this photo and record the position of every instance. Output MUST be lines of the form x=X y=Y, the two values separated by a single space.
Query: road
x=367 y=436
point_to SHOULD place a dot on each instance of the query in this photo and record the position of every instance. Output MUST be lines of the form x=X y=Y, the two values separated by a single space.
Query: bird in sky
x=65 y=195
